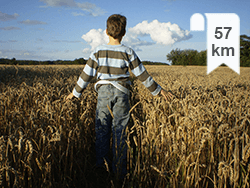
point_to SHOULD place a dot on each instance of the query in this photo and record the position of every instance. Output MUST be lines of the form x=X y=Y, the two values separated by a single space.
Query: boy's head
x=116 y=26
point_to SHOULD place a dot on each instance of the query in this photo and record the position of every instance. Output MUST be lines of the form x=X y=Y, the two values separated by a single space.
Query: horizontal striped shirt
x=112 y=62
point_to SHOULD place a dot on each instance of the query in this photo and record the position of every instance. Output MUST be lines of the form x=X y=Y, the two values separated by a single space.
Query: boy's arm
x=70 y=96
x=88 y=73
x=166 y=94
x=141 y=73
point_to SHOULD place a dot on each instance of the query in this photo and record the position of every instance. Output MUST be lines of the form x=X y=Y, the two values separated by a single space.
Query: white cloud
x=60 y=3
x=15 y=53
x=159 y=33
x=8 y=41
x=133 y=41
x=86 y=6
x=65 y=41
x=86 y=50
x=7 y=17
x=97 y=11
x=9 y=28
x=12 y=40
x=91 y=8
x=32 y=22
x=94 y=38
x=22 y=54
x=77 y=14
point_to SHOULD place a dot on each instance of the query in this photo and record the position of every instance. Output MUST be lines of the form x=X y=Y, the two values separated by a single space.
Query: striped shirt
x=112 y=62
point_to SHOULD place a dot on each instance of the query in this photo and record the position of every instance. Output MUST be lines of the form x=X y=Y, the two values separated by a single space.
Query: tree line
x=193 y=57
x=13 y=61
x=80 y=61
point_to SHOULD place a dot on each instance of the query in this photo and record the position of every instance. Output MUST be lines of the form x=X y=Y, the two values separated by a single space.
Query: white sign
x=223 y=39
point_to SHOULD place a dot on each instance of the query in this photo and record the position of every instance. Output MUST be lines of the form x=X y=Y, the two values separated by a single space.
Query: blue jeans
x=104 y=123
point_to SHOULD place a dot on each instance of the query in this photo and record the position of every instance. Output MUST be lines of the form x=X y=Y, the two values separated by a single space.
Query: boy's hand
x=69 y=97
x=166 y=94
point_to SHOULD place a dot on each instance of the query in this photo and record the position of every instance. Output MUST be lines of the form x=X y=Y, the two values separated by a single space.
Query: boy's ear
x=107 y=32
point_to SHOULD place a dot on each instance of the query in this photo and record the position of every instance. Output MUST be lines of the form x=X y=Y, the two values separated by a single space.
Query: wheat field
x=199 y=139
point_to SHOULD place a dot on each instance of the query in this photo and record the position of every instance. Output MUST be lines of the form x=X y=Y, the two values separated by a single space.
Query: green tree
x=174 y=56
x=244 y=51
x=190 y=57
x=187 y=57
x=202 y=58
x=13 y=61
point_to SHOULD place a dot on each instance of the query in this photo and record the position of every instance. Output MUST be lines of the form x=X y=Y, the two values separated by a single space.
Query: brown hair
x=116 y=26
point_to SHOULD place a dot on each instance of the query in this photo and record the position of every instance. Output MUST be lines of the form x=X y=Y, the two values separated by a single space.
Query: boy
x=111 y=63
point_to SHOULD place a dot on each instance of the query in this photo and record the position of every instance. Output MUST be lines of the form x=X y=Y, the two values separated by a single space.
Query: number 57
x=219 y=34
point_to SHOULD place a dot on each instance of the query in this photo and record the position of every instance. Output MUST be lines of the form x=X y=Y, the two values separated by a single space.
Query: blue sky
x=70 y=29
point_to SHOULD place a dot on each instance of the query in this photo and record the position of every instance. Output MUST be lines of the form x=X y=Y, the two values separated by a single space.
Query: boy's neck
x=113 y=41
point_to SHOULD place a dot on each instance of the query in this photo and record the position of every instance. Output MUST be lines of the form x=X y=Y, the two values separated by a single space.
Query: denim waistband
x=121 y=85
